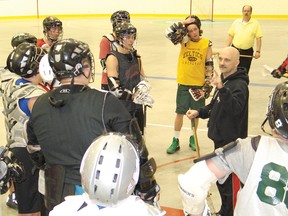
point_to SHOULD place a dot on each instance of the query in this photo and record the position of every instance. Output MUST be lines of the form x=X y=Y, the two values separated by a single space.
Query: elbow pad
x=114 y=87
x=194 y=186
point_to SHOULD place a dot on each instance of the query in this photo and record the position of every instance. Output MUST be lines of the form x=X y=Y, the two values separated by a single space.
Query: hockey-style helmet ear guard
x=66 y=58
x=23 y=37
x=277 y=114
x=118 y=17
x=110 y=169
x=24 y=60
x=49 y=23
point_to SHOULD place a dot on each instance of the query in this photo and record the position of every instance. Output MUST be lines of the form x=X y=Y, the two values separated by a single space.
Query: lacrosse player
x=195 y=69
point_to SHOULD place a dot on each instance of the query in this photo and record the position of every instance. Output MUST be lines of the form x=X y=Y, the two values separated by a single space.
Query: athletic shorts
x=27 y=195
x=184 y=100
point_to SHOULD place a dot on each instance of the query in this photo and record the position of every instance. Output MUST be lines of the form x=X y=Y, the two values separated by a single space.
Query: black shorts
x=27 y=195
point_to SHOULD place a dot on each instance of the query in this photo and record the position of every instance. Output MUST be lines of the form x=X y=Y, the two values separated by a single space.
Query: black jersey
x=65 y=130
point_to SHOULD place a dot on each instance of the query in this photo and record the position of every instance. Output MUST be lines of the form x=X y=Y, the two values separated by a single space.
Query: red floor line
x=173 y=211
x=176 y=161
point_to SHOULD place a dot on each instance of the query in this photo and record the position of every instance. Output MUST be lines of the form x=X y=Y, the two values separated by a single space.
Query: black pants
x=225 y=189
x=226 y=194
x=245 y=62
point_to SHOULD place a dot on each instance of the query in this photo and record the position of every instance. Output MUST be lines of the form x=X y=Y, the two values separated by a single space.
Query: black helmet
x=24 y=60
x=50 y=22
x=118 y=17
x=65 y=58
x=23 y=37
x=278 y=110
x=124 y=29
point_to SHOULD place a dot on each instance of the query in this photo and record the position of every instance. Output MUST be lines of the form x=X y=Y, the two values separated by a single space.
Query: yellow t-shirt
x=191 y=62
x=244 y=33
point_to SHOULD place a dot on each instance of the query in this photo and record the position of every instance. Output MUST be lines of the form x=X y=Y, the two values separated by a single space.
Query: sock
x=192 y=133
x=176 y=134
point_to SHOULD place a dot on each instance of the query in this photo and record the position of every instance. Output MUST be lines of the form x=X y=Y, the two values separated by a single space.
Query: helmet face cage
x=49 y=23
x=278 y=110
x=66 y=58
x=119 y=17
x=25 y=59
x=123 y=30
x=23 y=37
x=110 y=169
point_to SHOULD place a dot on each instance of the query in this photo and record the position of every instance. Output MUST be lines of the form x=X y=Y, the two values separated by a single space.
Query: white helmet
x=46 y=72
x=110 y=169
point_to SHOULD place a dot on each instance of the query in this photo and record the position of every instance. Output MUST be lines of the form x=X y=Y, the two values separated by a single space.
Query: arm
x=258 y=47
x=229 y=40
x=194 y=186
x=112 y=66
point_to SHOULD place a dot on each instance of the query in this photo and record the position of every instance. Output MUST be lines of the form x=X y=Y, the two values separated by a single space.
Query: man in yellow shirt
x=195 y=67
x=242 y=35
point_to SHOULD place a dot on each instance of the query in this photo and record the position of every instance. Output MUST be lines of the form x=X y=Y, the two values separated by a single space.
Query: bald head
x=228 y=60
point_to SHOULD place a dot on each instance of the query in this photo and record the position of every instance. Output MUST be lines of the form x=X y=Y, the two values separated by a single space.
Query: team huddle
x=76 y=150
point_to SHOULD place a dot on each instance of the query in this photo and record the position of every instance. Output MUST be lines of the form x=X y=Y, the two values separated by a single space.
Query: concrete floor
x=159 y=57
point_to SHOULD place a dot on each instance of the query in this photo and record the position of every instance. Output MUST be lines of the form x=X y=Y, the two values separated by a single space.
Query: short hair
x=247 y=6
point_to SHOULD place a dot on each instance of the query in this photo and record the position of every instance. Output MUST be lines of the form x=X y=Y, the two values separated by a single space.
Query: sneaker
x=11 y=201
x=174 y=146
x=192 y=143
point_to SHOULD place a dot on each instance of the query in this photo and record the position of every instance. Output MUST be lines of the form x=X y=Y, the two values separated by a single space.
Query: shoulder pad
x=110 y=37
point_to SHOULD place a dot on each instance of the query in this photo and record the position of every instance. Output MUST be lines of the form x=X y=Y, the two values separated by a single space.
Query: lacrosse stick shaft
x=243 y=56
x=196 y=138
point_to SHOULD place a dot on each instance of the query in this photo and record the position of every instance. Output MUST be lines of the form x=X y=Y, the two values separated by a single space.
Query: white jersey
x=133 y=205
x=265 y=190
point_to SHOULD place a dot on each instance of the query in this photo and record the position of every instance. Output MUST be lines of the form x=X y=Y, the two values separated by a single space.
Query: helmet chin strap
x=262 y=127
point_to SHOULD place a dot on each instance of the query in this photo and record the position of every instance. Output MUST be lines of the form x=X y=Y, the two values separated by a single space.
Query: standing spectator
x=227 y=113
x=110 y=192
x=194 y=66
x=242 y=35
x=260 y=162
x=66 y=120
x=126 y=74
x=109 y=43
x=52 y=30
x=18 y=98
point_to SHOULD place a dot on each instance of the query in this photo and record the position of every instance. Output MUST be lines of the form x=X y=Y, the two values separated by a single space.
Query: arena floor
x=159 y=57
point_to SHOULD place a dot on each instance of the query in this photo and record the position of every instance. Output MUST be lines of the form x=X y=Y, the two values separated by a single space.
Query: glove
x=146 y=101
x=141 y=91
x=176 y=32
x=276 y=73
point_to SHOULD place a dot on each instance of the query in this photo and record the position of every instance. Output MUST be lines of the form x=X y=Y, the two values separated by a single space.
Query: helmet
x=24 y=60
x=118 y=17
x=65 y=58
x=123 y=29
x=110 y=169
x=50 y=22
x=278 y=110
x=23 y=37
x=46 y=72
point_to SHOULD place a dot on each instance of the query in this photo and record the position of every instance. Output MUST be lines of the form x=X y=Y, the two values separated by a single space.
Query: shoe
x=192 y=143
x=11 y=201
x=174 y=146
